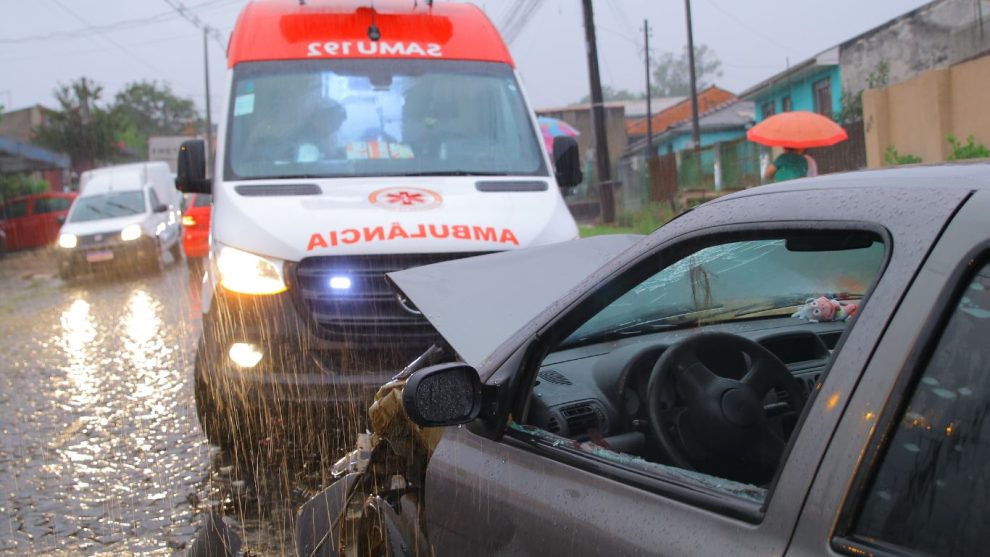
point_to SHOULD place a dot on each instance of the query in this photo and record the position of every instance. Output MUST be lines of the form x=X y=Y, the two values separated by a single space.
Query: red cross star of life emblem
x=405 y=199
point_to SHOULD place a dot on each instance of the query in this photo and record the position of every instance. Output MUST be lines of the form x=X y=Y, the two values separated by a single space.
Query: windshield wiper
x=452 y=173
x=120 y=206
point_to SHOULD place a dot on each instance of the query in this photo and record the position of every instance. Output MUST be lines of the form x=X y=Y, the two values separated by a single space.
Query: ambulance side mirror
x=567 y=161
x=190 y=176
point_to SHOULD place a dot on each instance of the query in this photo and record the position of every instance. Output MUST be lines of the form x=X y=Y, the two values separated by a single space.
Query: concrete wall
x=915 y=116
x=936 y=35
x=580 y=118
x=802 y=93
x=20 y=124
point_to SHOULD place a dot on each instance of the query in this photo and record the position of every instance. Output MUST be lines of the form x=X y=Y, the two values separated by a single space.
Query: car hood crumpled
x=480 y=302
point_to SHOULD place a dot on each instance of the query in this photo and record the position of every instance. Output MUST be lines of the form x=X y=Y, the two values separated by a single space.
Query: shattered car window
x=738 y=280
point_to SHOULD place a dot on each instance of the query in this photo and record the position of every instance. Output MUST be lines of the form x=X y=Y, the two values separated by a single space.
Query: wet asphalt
x=101 y=452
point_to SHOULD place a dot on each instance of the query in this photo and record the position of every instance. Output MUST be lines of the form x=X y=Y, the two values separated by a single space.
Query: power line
x=120 y=47
x=751 y=29
x=191 y=17
x=63 y=53
x=115 y=26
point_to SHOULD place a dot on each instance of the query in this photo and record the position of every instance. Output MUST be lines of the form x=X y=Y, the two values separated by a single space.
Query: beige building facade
x=916 y=116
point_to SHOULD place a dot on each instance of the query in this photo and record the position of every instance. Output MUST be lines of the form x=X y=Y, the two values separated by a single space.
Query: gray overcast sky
x=753 y=39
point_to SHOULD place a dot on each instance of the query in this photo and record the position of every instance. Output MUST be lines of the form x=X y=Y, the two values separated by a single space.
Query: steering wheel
x=715 y=424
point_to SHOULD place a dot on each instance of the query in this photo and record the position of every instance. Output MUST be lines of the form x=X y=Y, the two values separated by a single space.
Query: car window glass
x=51 y=204
x=107 y=206
x=711 y=401
x=16 y=209
x=930 y=493
x=378 y=117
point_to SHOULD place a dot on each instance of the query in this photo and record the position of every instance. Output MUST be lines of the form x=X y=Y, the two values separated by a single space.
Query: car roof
x=967 y=175
x=290 y=30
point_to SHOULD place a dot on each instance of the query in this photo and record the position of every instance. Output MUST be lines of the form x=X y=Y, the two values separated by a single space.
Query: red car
x=196 y=225
x=34 y=220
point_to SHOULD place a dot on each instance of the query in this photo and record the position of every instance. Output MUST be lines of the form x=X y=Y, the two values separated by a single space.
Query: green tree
x=852 y=103
x=148 y=108
x=82 y=127
x=611 y=94
x=671 y=73
x=16 y=185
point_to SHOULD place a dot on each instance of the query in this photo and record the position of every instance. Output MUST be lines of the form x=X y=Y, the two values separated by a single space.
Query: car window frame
x=521 y=383
x=27 y=208
x=844 y=539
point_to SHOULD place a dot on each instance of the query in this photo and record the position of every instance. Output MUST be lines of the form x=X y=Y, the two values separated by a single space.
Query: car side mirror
x=190 y=176
x=567 y=161
x=160 y=208
x=443 y=395
x=60 y=219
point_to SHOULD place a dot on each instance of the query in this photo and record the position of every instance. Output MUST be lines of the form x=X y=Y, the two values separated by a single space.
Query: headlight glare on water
x=247 y=273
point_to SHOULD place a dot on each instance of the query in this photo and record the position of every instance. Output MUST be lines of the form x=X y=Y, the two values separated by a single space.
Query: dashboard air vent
x=580 y=418
x=554 y=376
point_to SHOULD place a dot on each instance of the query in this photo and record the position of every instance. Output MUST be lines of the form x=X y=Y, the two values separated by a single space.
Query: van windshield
x=107 y=206
x=325 y=118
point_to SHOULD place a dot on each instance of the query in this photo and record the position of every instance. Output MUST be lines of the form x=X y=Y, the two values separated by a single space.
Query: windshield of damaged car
x=739 y=280
x=107 y=206
x=398 y=117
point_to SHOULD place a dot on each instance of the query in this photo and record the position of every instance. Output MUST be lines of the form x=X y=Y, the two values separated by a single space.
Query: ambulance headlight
x=340 y=282
x=247 y=273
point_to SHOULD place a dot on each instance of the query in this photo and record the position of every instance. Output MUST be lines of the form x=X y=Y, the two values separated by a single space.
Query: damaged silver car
x=798 y=369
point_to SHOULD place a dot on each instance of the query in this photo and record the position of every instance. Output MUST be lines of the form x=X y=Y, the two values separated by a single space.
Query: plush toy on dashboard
x=826 y=309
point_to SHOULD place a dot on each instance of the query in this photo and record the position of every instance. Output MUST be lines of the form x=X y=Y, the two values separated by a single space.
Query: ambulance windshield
x=388 y=117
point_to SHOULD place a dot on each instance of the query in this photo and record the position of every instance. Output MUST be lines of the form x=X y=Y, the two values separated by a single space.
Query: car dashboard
x=598 y=392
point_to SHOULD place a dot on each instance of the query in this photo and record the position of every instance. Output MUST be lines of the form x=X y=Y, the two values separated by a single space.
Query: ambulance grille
x=369 y=310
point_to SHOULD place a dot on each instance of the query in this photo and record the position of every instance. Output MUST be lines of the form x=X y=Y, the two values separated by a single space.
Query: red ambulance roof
x=283 y=29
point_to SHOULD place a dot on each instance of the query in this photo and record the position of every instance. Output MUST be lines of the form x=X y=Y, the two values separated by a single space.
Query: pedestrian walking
x=789 y=165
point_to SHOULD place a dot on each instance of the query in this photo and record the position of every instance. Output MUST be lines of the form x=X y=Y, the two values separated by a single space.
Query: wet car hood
x=479 y=302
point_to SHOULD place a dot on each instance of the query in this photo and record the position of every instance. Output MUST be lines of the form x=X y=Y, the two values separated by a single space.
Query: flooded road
x=101 y=450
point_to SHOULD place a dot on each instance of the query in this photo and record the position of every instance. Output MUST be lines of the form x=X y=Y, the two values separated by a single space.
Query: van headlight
x=130 y=232
x=247 y=273
x=68 y=241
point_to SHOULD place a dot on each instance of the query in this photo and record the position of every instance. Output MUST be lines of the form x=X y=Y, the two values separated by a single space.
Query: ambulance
x=358 y=138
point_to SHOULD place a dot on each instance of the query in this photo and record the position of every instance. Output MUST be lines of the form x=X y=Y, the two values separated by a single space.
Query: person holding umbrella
x=795 y=132
x=788 y=166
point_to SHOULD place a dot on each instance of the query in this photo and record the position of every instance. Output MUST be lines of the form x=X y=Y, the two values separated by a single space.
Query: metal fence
x=689 y=177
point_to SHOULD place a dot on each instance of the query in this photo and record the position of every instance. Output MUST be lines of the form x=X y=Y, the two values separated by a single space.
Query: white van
x=125 y=215
x=357 y=139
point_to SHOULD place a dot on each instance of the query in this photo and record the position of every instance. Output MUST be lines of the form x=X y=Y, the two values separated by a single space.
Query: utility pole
x=209 y=120
x=695 y=128
x=598 y=118
x=649 y=105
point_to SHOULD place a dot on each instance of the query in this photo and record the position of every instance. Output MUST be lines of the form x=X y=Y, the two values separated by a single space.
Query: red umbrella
x=800 y=129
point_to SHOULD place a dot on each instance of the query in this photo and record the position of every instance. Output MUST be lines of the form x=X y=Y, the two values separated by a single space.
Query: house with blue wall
x=725 y=123
x=814 y=85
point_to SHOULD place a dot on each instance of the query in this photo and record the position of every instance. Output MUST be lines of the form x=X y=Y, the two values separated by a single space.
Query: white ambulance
x=356 y=140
